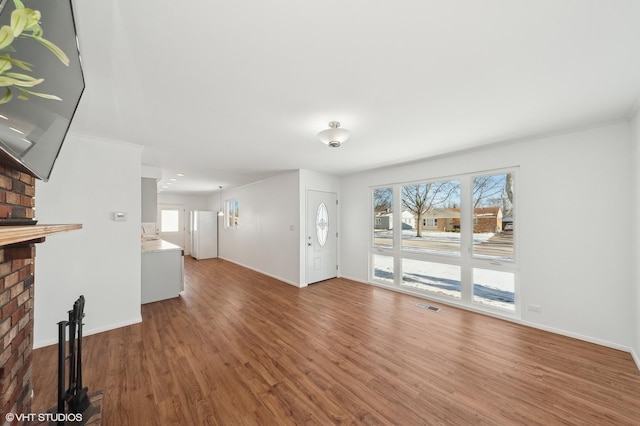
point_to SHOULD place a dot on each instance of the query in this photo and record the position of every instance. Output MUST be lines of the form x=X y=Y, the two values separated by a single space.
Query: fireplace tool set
x=73 y=398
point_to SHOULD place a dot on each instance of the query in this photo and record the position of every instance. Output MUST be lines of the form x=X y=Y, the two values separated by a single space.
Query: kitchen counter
x=150 y=246
x=162 y=270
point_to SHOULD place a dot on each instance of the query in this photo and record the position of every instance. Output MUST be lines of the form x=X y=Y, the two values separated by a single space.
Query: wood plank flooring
x=239 y=348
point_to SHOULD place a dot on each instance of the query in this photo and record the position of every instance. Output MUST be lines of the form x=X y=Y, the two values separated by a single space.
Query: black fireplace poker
x=73 y=398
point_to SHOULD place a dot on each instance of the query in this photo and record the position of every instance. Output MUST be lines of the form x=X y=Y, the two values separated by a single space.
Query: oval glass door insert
x=322 y=224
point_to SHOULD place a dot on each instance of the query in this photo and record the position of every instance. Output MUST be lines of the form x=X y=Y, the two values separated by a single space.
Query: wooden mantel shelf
x=21 y=234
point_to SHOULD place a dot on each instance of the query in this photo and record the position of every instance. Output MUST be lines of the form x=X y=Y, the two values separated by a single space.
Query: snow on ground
x=449 y=237
x=494 y=288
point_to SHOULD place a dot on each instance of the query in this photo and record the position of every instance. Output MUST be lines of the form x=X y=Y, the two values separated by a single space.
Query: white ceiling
x=232 y=92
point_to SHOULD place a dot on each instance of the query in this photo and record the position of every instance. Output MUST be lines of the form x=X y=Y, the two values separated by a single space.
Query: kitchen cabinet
x=162 y=270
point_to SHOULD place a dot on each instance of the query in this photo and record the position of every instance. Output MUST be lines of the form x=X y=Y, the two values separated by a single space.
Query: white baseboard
x=578 y=336
x=263 y=272
x=636 y=358
x=89 y=332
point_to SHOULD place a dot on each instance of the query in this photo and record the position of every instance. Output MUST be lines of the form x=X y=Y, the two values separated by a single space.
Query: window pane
x=232 y=214
x=382 y=268
x=438 y=278
x=493 y=211
x=431 y=217
x=322 y=224
x=495 y=288
x=169 y=221
x=383 y=217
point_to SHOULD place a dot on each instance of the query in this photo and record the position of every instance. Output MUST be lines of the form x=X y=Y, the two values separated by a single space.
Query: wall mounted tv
x=41 y=82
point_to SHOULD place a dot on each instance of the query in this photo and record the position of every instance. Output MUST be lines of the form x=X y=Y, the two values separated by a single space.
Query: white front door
x=322 y=236
x=171 y=223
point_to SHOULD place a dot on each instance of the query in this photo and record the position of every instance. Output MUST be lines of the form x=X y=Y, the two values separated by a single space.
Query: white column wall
x=91 y=180
x=572 y=227
x=635 y=227
x=267 y=239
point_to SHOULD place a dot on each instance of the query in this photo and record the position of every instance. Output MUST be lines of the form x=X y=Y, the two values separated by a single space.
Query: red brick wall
x=17 y=200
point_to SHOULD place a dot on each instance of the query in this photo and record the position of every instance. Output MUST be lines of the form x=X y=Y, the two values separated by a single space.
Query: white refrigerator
x=204 y=234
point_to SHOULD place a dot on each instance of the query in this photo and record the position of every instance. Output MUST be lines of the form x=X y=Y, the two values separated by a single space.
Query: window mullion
x=466 y=239
x=397 y=234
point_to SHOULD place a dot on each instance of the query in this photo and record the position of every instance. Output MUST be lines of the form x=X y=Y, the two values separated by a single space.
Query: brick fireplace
x=17 y=190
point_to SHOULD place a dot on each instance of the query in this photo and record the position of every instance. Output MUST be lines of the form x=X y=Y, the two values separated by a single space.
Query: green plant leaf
x=4 y=65
x=7 y=96
x=22 y=80
x=34 y=19
x=25 y=22
x=41 y=95
x=20 y=64
x=6 y=81
x=55 y=50
x=6 y=36
x=36 y=30
x=19 y=20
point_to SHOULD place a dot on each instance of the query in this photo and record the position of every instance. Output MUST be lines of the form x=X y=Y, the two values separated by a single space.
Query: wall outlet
x=534 y=308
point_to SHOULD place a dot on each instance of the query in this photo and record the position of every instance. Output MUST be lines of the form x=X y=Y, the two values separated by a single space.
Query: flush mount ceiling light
x=334 y=136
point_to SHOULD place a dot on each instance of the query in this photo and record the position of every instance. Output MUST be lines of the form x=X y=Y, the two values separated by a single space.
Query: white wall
x=572 y=232
x=635 y=226
x=91 y=180
x=190 y=202
x=268 y=237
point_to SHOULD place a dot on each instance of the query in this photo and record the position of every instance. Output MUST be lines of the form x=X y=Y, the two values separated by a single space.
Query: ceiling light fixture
x=334 y=136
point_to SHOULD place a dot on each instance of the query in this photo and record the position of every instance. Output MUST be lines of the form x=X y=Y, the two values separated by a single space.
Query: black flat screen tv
x=40 y=87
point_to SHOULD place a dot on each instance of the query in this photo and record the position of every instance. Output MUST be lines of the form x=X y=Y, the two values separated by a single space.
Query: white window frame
x=467 y=261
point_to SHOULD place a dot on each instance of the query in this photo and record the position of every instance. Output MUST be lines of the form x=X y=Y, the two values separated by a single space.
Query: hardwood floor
x=241 y=348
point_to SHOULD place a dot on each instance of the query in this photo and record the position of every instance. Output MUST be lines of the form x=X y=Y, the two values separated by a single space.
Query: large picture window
x=452 y=239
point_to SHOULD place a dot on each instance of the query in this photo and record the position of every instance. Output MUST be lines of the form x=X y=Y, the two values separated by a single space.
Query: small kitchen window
x=169 y=220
